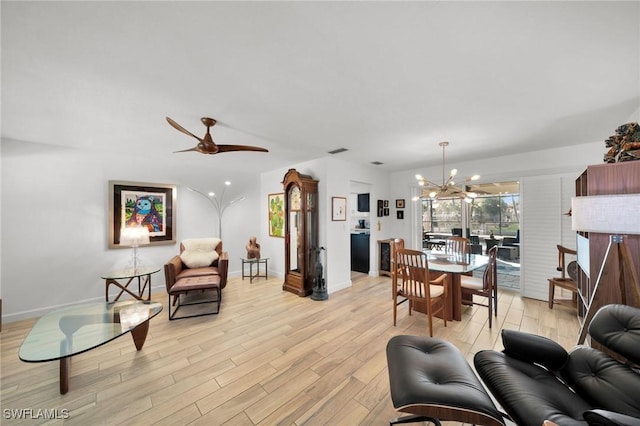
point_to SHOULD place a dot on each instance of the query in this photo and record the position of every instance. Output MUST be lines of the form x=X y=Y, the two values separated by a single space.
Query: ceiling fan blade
x=181 y=129
x=229 y=148
x=195 y=148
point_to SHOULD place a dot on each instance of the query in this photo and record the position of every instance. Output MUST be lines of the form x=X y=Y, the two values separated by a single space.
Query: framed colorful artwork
x=151 y=205
x=400 y=204
x=338 y=208
x=276 y=215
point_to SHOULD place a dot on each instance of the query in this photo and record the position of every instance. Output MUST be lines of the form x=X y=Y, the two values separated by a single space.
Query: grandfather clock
x=301 y=232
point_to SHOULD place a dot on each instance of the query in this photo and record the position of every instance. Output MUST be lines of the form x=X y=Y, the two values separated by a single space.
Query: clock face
x=294 y=198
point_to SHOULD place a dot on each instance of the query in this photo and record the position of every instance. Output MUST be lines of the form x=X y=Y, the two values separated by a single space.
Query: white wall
x=54 y=214
x=54 y=222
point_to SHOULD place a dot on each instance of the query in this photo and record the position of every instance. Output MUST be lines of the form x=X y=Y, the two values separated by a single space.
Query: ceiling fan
x=206 y=145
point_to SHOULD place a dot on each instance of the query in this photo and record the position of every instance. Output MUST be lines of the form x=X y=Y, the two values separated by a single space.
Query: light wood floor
x=269 y=357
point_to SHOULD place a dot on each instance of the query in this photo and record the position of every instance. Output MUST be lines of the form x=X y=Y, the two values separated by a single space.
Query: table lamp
x=616 y=215
x=134 y=236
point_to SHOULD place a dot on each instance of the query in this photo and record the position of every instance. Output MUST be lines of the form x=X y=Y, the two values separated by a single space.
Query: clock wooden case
x=301 y=232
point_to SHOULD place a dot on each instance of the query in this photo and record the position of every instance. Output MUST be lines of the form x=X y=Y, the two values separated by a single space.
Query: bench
x=190 y=285
x=431 y=381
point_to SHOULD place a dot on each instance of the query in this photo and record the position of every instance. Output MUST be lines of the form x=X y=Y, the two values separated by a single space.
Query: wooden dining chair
x=414 y=284
x=564 y=281
x=486 y=287
x=457 y=245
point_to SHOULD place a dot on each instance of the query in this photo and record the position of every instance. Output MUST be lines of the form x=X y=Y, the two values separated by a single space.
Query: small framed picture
x=386 y=211
x=400 y=204
x=386 y=203
x=380 y=211
x=338 y=208
x=400 y=214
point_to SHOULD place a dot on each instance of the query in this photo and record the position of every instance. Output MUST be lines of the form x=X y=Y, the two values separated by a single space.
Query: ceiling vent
x=377 y=163
x=338 y=151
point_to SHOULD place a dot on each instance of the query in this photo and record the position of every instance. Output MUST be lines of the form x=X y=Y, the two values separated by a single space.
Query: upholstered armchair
x=198 y=257
x=201 y=267
x=535 y=379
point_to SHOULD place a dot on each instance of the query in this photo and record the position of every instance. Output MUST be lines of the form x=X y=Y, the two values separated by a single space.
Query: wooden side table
x=257 y=262
x=143 y=275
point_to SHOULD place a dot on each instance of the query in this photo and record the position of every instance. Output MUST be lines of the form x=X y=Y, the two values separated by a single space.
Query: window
x=495 y=210
x=441 y=216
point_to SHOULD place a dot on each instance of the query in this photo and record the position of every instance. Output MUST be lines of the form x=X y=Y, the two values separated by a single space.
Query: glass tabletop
x=455 y=263
x=262 y=259
x=130 y=272
x=76 y=329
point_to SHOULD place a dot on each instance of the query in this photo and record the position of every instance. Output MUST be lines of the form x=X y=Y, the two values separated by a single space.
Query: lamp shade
x=606 y=214
x=134 y=236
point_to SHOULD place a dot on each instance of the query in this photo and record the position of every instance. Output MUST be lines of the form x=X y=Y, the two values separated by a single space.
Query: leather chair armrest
x=223 y=268
x=534 y=349
x=171 y=270
x=609 y=418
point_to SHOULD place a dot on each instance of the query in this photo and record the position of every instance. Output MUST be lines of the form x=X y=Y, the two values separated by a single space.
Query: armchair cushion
x=603 y=381
x=198 y=258
x=518 y=344
x=199 y=252
x=536 y=392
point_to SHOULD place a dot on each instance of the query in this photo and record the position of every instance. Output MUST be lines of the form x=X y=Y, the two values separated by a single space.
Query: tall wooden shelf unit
x=606 y=179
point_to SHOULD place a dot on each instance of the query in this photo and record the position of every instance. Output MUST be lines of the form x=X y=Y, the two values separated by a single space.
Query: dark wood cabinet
x=384 y=256
x=606 y=179
x=301 y=232
x=360 y=253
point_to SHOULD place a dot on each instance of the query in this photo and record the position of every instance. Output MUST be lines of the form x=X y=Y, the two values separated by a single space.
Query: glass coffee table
x=63 y=333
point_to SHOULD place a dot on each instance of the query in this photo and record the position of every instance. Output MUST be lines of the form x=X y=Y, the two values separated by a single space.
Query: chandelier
x=448 y=189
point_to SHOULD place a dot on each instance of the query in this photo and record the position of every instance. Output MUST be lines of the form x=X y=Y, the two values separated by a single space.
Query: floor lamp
x=616 y=215
x=219 y=203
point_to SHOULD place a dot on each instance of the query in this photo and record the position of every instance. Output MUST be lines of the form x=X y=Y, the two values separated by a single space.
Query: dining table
x=454 y=265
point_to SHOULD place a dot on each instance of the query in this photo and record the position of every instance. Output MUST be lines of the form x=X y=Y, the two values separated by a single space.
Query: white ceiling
x=387 y=80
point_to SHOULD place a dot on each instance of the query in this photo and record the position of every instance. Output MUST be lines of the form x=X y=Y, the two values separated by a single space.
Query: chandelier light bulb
x=453 y=172
x=475 y=177
x=212 y=194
